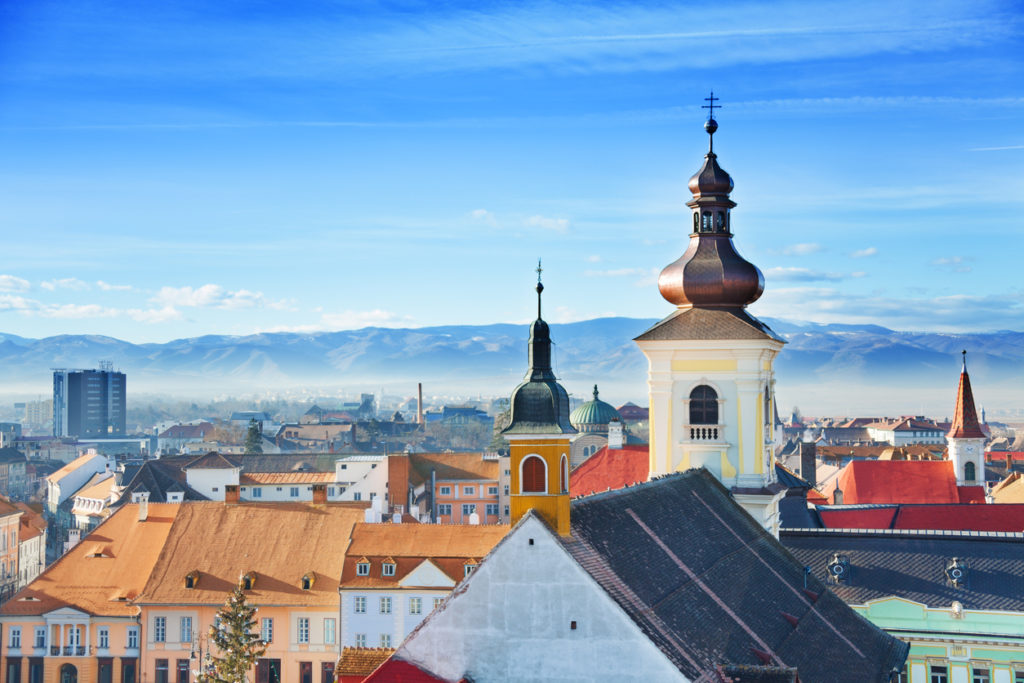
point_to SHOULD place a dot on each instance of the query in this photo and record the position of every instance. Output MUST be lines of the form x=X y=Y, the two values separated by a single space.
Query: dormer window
x=363 y=567
x=192 y=579
x=387 y=568
x=470 y=565
x=247 y=581
x=307 y=581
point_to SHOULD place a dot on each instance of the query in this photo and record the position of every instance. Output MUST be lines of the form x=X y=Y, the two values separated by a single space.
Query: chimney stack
x=809 y=462
x=231 y=494
x=615 y=437
x=319 y=494
x=837 y=496
x=143 y=498
x=419 y=403
x=1009 y=463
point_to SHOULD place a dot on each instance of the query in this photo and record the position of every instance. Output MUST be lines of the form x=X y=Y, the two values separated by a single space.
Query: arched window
x=68 y=674
x=534 y=473
x=564 y=481
x=703 y=406
x=969 y=472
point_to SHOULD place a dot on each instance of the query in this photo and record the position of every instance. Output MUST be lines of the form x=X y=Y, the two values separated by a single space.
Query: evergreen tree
x=236 y=641
x=254 y=438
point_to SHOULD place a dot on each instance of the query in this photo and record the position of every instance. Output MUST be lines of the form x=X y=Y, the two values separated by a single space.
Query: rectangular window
x=444 y=510
x=161 y=671
x=295 y=492
x=160 y=631
x=15 y=642
x=182 y=666
x=362 y=569
x=980 y=675
x=103 y=636
x=939 y=674
x=360 y=604
x=357 y=496
x=437 y=602
x=444 y=491
x=492 y=509
x=305 y=672
x=303 y=629
x=360 y=640
x=331 y=492
x=492 y=490
x=257 y=492
x=468 y=569
x=185 y=630
x=40 y=636
x=387 y=569
x=267 y=630
x=469 y=490
x=385 y=640
x=385 y=605
x=506 y=489
x=415 y=605
x=35 y=670
x=133 y=638
x=468 y=509
x=329 y=624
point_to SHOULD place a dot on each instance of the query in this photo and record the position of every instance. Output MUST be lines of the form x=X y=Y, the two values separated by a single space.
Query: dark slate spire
x=965 y=418
x=539 y=405
x=711 y=273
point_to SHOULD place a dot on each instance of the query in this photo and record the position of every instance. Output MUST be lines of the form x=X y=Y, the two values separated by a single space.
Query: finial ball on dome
x=711 y=126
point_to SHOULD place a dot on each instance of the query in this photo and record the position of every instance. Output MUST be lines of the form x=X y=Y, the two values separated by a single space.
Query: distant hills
x=825 y=369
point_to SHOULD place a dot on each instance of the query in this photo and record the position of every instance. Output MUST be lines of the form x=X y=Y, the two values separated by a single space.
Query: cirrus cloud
x=12 y=283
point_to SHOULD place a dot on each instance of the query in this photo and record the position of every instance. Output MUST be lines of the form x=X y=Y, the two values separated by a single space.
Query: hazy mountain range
x=825 y=369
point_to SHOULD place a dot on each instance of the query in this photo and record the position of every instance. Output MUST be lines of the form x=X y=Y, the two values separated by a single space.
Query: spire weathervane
x=964 y=352
x=711 y=125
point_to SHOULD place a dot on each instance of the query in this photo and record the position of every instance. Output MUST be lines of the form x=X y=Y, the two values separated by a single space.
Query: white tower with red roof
x=965 y=438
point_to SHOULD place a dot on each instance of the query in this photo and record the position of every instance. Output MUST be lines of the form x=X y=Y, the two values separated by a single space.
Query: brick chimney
x=319 y=494
x=1009 y=463
x=398 y=480
x=231 y=494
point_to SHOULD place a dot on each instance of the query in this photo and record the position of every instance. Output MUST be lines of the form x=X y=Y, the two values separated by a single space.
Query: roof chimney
x=231 y=494
x=143 y=497
x=809 y=462
x=837 y=496
x=419 y=403
x=319 y=494
x=615 y=438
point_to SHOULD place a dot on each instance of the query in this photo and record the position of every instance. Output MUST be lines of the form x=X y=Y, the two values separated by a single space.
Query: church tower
x=966 y=440
x=710 y=363
x=539 y=434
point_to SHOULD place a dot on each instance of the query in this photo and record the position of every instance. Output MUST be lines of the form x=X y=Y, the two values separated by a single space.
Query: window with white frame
x=103 y=637
x=159 y=629
x=15 y=638
x=257 y=491
x=492 y=509
x=468 y=509
x=133 y=638
x=469 y=490
x=468 y=569
x=303 y=629
x=444 y=509
x=359 y=604
x=385 y=605
x=362 y=569
x=357 y=496
x=437 y=602
x=40 y=636
x=492 y=490
x=329 y=630
x=185 y=630
x=360 y=640
x=415 y=605
x=387 y=569
x=444 y=491
x=385 y=640
x=267 y=630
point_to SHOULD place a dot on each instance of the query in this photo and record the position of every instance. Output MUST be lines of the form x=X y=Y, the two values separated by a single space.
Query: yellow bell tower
x=539 y=433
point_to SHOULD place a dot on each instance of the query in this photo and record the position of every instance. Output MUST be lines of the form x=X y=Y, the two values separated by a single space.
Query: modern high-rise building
x=88 y=403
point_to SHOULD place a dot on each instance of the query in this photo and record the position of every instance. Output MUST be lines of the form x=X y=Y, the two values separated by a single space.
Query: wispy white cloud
x=956 y=264
x=107 y=287
x=593 y=258
x=64 y=283
x=803 y=249
x=864 y=253
x=209 y=296
x=348 y=320
x=484 y=217
x=997 y=149
x=554 y=224
x=12 y=283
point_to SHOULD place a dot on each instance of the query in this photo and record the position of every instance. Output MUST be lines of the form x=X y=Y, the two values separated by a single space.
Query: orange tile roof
x=895 y=481
x=279 y=542
x=611 y=469
x=1009 y=490
x=361 y=661
x=94 y=584
x=452 y=466
x=448 y=546
x=287 y=478
x=99 y=486
x=70 y=467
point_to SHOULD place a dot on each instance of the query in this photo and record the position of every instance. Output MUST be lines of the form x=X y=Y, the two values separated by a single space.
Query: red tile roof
x=965 y=417
x=858 y=518
x=1008 y=517
x=971 y=494
x=399 y=671
x=611 y=469
x=896 y=481
x=1001 y=456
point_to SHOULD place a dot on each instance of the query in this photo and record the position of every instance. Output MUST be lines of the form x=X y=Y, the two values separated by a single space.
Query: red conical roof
x=965 y=417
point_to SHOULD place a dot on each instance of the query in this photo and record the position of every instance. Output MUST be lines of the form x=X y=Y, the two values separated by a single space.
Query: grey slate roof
x=159 y=477
x=709 y=323
x=9 y=455
x=711 y=588
x=911 y=565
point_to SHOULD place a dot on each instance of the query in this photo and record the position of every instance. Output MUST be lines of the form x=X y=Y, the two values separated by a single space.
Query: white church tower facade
x=711 y=364
x=966 y=440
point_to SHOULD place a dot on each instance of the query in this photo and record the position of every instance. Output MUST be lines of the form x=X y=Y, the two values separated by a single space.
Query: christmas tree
x=236 y=640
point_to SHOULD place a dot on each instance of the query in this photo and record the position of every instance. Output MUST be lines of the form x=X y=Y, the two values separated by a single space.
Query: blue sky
x=185 y=168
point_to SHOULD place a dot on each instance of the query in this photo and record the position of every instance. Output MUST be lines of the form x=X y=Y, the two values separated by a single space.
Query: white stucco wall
x=510 y=620
x=211 y=482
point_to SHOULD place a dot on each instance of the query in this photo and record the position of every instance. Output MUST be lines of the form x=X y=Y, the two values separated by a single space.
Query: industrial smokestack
x=419 y=403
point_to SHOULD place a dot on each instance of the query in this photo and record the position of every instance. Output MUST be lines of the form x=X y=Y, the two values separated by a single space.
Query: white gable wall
x=511 y=621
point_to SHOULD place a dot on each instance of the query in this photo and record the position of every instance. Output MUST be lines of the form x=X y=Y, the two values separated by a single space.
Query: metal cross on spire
x=712 y=106
x=540 y=287
x=711 y=125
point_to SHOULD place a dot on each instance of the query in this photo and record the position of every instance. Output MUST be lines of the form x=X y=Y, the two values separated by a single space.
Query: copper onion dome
x=711 y=273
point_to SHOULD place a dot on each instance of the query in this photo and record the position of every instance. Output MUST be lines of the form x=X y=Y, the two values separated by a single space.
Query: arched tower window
x=68 y=674
x=534 y=475
x=969 y=472
x=564 y=478
x=703 y=406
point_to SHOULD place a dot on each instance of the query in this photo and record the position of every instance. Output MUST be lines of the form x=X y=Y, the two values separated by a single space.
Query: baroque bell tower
x=966 y=440
x=710 y=363
x=539 y=435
